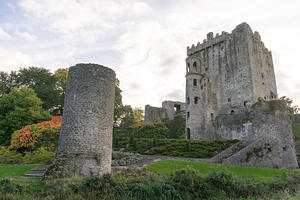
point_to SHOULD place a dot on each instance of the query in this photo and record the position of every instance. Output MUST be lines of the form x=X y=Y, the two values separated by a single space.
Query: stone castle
x=231 y=94
x=226 y=74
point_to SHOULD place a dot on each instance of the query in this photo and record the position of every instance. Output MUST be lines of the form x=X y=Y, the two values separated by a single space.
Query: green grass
x=8 y=171
x=296 y=131
x=258 y=174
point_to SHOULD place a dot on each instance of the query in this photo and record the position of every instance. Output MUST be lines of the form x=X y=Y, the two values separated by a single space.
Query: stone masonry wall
x=227 y=73
x=85 y=143
x=269 y=126
x=154 y=114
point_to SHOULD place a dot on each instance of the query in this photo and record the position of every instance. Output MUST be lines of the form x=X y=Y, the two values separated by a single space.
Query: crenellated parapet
x=257 y=39
x=209 y=41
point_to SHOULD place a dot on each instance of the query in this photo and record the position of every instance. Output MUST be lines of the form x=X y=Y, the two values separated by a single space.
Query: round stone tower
x=193 y=101
x=85 y=143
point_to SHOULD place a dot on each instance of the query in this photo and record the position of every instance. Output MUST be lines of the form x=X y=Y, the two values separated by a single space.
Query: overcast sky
x=143 y=41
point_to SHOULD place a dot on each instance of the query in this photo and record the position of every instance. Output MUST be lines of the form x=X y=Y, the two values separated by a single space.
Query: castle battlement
x=209 y=41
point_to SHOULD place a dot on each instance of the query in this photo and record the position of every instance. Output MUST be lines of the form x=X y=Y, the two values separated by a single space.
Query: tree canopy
x=18 y=109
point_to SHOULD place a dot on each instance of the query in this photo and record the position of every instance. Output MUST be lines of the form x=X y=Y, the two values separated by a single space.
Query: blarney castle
x=231 y=94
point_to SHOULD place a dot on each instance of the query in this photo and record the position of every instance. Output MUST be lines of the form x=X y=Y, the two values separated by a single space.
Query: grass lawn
x=259 y=174
x=296 y=130
x=8 y=171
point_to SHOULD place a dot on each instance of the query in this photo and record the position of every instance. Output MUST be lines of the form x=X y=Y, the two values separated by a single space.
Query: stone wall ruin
x=85 y=143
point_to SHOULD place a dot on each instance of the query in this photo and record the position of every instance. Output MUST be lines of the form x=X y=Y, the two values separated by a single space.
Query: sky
x=143 y=41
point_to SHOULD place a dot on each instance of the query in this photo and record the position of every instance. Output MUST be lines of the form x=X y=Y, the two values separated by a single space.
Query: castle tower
x=193 y=106
x=85 y=142
x=234 y=70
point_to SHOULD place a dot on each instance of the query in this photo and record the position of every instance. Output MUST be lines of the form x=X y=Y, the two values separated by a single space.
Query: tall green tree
x=18 y=109
x=61 y=76
x=42 y=82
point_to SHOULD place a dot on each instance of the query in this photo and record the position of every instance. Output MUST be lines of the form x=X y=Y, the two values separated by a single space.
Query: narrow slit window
x=195 y=82
x=196 y=99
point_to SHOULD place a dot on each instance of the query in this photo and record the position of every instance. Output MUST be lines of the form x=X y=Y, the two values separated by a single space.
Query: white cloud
x=13 y=60
x=26 y=36
x=151 y=38
x=4 y=35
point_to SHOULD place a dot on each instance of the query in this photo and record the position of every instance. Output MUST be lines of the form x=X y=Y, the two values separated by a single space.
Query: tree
x=138 y=115
x=61 y=76
x=118 y=108
x=42 y=82
x=289 y=102
x=18 y=109
x=7 y=82
x=176 y=127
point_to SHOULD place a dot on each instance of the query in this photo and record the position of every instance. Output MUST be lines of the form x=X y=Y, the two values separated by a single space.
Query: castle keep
x=225 y=75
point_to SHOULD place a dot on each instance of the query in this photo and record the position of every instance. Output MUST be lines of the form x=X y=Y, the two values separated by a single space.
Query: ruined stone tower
x=85 y=143
x=225 y=74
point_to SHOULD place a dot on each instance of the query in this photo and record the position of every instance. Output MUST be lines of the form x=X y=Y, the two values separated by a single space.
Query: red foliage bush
x=36 y=135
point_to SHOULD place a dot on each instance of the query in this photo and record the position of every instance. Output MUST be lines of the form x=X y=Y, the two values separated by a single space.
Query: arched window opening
x=188 y=67
x=195 y=66
x=188 y=115
x=188 y=133
x=232 y=112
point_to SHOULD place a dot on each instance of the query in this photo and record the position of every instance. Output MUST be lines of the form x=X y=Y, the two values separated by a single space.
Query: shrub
x=174 y=147
x=44 y=134
x=150 y=130
x=143 y=184
x=125 y=158
x=40 y=155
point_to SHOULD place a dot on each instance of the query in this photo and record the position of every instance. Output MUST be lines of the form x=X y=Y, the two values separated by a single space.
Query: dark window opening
x=188 y=114
x=201 y=87
x=263 y=83
x=188 y=133
x=245 y=103
x=229 y=99
x=196 y=100
x=212 y=117
x=188 y=100
x=195 y=66
x=195 y=82
x=232 y=112
x=262 y=75
x=265 y=98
